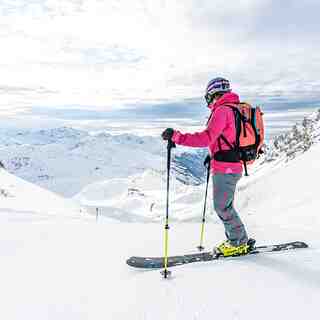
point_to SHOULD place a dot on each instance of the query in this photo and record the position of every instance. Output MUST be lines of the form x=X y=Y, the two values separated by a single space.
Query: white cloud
x=111 y=52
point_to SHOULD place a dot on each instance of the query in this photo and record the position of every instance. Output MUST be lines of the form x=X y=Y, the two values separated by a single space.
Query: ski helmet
x=218 y=85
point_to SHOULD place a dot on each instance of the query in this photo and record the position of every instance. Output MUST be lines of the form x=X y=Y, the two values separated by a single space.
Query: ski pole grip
x=207 y=160
x=171 y=144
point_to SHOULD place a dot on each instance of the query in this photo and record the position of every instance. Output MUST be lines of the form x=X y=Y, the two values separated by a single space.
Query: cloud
x=117 y=52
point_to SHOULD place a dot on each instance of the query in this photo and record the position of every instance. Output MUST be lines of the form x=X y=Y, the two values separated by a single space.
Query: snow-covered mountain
x=65 y=160
x=123 y=176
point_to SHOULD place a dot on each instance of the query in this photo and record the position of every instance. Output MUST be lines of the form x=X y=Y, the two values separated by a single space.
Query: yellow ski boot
x=227 y=249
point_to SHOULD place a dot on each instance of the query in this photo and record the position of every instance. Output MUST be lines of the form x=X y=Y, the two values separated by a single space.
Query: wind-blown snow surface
x=75 y=269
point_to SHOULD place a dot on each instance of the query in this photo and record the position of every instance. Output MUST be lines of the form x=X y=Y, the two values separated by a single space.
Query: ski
x=158 y=262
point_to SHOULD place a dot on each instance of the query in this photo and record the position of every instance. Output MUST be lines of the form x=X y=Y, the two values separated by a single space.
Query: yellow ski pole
x=207 y=165
x=166 y=272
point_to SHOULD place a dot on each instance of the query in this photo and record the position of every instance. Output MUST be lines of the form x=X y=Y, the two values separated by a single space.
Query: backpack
x=249 y=136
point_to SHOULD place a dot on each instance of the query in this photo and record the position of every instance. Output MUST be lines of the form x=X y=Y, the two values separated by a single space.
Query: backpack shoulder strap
x=237 y=115
x=222 y=137
x=211 y=115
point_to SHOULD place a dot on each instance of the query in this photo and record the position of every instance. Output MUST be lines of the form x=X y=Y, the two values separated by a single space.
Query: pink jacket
x=221 y=122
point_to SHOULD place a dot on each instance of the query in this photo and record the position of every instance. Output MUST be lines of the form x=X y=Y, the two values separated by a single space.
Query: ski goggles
x=209 y=98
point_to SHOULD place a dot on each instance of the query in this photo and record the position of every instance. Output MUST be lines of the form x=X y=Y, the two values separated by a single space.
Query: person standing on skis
x=219 y=134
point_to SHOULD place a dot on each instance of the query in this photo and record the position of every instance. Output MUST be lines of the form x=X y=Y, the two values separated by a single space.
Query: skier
x=226 y=175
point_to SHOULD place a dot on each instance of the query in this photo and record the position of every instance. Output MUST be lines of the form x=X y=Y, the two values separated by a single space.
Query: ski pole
x=207 y=165
x=166 y=272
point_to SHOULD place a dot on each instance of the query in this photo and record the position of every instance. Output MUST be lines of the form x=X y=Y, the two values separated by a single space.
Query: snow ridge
x=296 y=141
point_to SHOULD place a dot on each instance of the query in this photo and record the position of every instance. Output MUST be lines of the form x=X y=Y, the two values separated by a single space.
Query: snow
x=58 y=261
x=77 y=271
x=23 y=199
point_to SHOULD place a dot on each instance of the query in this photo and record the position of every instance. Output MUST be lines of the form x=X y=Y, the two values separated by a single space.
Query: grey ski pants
x=224 y=186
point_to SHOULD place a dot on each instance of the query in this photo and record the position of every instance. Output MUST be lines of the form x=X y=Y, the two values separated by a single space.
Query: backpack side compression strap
x=254 y=126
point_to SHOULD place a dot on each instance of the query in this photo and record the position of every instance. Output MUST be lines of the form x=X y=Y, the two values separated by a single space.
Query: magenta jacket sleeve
x=209 y=136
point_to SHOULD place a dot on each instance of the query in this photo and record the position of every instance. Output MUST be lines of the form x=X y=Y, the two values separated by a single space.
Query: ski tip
x=145 y=263
x=131 y=262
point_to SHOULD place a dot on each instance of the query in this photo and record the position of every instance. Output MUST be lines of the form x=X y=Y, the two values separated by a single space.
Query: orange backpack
x=249 y=136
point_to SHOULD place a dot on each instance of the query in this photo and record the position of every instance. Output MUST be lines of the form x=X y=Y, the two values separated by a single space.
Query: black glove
x=167 y=134
x=260 y=152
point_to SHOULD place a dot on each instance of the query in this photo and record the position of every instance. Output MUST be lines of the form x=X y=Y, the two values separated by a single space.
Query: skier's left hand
x=167 y=134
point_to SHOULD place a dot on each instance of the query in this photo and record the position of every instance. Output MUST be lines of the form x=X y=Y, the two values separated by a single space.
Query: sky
x=115 y=53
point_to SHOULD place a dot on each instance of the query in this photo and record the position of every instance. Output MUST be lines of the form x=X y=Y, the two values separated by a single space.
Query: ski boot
x=226 y=249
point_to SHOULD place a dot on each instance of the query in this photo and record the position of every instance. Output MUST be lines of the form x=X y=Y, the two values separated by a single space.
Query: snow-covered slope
x=72 y=270
x=75 y=271
x=284 y=192
x=293 y=142
x=142 y=197
x=21 y=200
